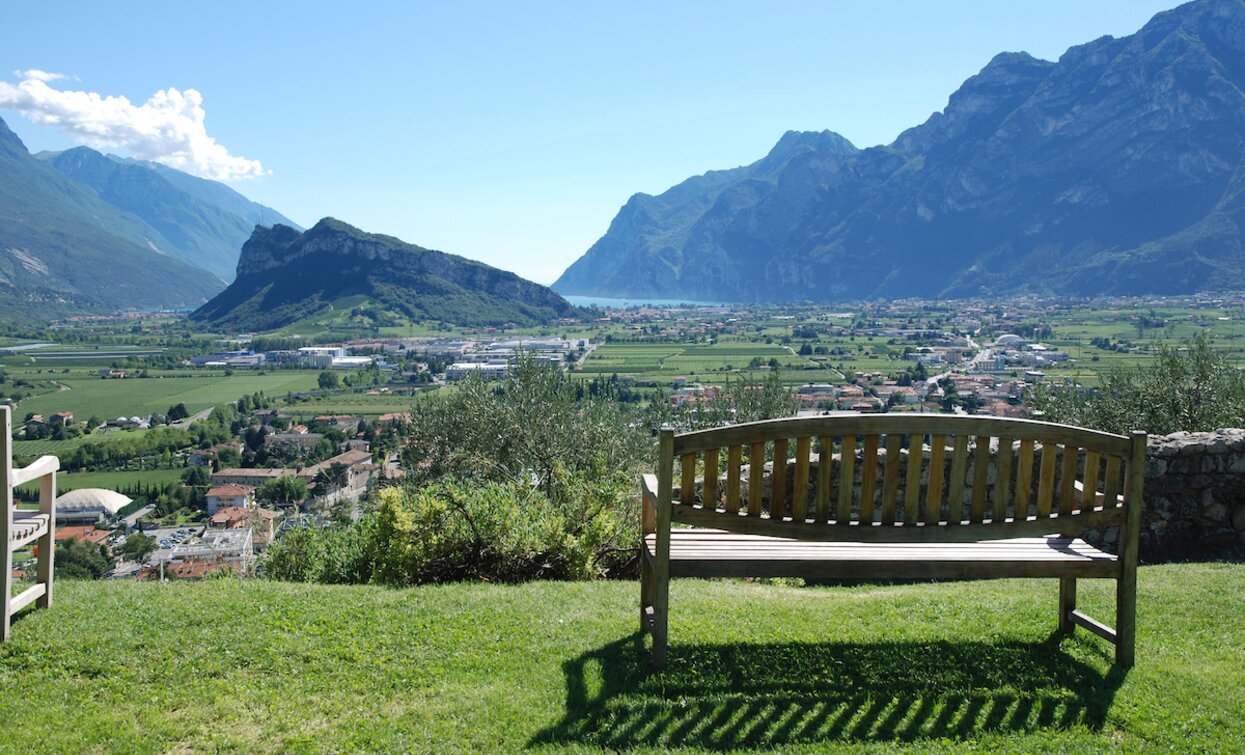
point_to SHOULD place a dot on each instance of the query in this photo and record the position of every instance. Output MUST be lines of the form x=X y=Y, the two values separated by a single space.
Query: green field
x=27 y=448
x=250 y=666
x=107 y=399
x=67 y=481
x=701 y=362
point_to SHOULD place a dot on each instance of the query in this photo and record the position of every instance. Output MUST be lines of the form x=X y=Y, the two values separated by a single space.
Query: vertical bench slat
x=981 y=470
x=687 y=481
x=710 y=493
x=825 y=461
x=756 y=477
x=799 y=493
x=778 y=481
x=734 y=460
x=912 y=490
x=868 y=478
x=890 y=477
x=1024 y=480
x=955 y=489
x=1111 y=486
x=1003 y=479
x=1089 y=483
x=1046 y=480
x=933 y=492
x=1067 y=480
x=847 y=465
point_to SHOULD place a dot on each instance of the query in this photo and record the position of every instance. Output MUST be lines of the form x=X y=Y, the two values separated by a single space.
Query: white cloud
x=38 y=75
x=168 y=128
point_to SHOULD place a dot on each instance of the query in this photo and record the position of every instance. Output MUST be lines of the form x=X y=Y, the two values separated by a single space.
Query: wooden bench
x=984 y=498
x=19 y=528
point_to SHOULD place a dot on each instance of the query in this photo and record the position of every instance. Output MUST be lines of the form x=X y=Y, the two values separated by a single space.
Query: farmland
x=94 y=396
x=110 y=480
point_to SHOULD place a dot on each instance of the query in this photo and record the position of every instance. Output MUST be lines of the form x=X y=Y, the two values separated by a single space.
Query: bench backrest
x=899 y=477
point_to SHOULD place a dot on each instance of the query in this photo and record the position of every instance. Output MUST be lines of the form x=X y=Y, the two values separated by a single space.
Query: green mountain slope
x=285 y=276
x=204 y=222
x=62 y=247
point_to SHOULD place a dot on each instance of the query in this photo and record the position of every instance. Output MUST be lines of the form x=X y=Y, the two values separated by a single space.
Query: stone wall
x=1195 y=496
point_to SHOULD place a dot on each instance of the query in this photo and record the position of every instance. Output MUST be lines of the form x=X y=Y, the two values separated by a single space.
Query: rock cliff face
x=284 y=276
x=1118 y=169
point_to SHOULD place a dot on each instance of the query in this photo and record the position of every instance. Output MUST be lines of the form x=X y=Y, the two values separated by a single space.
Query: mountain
x=285 y=276
x=63 y=248
x=1118 y=169
x=203 y=222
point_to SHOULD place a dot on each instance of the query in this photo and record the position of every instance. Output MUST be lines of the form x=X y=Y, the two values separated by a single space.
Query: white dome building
x=88 y=505
x=1009 y=341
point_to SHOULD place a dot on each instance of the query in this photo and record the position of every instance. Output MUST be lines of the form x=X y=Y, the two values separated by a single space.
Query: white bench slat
x=27 y=596
x=42 y=466
x=27 y=527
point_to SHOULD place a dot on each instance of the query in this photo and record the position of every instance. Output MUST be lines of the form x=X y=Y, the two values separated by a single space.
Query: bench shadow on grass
x=721 y=697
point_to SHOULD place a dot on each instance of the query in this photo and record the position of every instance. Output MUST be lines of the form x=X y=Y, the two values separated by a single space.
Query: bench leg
x=646 y=593
x=661 y=611
x=659 y=639
x=1067 y=604
x=1125 y=619
x=6 y=582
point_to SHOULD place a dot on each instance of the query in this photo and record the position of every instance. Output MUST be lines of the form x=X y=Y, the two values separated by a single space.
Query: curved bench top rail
x=899 y=424
x=958 y=530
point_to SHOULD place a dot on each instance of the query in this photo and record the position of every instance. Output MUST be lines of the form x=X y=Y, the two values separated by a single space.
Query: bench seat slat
x=27 y=528
x=719 y=553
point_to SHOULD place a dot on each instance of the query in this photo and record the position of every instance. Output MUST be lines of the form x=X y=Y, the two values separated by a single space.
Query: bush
x=451 y=530
x=522 y=428
x=1193 y=389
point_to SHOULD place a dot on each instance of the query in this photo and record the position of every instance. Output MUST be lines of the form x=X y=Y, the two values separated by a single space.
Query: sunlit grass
x=257 y=665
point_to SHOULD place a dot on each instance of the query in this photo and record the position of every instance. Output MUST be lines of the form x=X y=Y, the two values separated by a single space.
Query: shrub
x=522 y=428
x=1193 y=389
x=453 y=530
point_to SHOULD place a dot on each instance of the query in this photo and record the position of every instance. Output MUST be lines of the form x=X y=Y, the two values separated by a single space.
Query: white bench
x=19 y=528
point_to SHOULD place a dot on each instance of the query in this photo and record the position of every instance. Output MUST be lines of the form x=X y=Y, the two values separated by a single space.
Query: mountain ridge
x=1117 y=169
x=62 y=248
x=201 y=222
x=285 y=276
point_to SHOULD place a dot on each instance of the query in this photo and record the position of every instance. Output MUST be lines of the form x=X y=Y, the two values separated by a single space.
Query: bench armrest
x=648 y=503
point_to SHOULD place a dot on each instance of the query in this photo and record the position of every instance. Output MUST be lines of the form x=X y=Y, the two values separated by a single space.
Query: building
x=350 y=363
x=302 y=441
x=252 y=477
x=88 y=533
x=61 y=418
x=487 y=370
x=230 y=496
x=89 y=505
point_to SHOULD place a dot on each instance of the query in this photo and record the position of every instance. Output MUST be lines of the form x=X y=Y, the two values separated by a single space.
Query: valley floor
x=143 y=667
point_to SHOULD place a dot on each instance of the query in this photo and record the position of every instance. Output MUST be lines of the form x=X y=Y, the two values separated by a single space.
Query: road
x=182 y=424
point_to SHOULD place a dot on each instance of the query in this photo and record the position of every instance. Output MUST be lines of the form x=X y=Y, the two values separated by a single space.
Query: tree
x=79 y=559
x=178 y=411
x=334 y=477
x=283 y=490
x=196 y=477
x=527 y=427
x=1192 y=389
x=328 y=381
x=137 y=547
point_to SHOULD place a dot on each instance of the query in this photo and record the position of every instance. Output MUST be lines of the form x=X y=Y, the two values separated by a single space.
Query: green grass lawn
x=247 y=666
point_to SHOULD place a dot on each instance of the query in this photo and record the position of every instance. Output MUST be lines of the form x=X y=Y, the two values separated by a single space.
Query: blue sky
x=507 y=132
